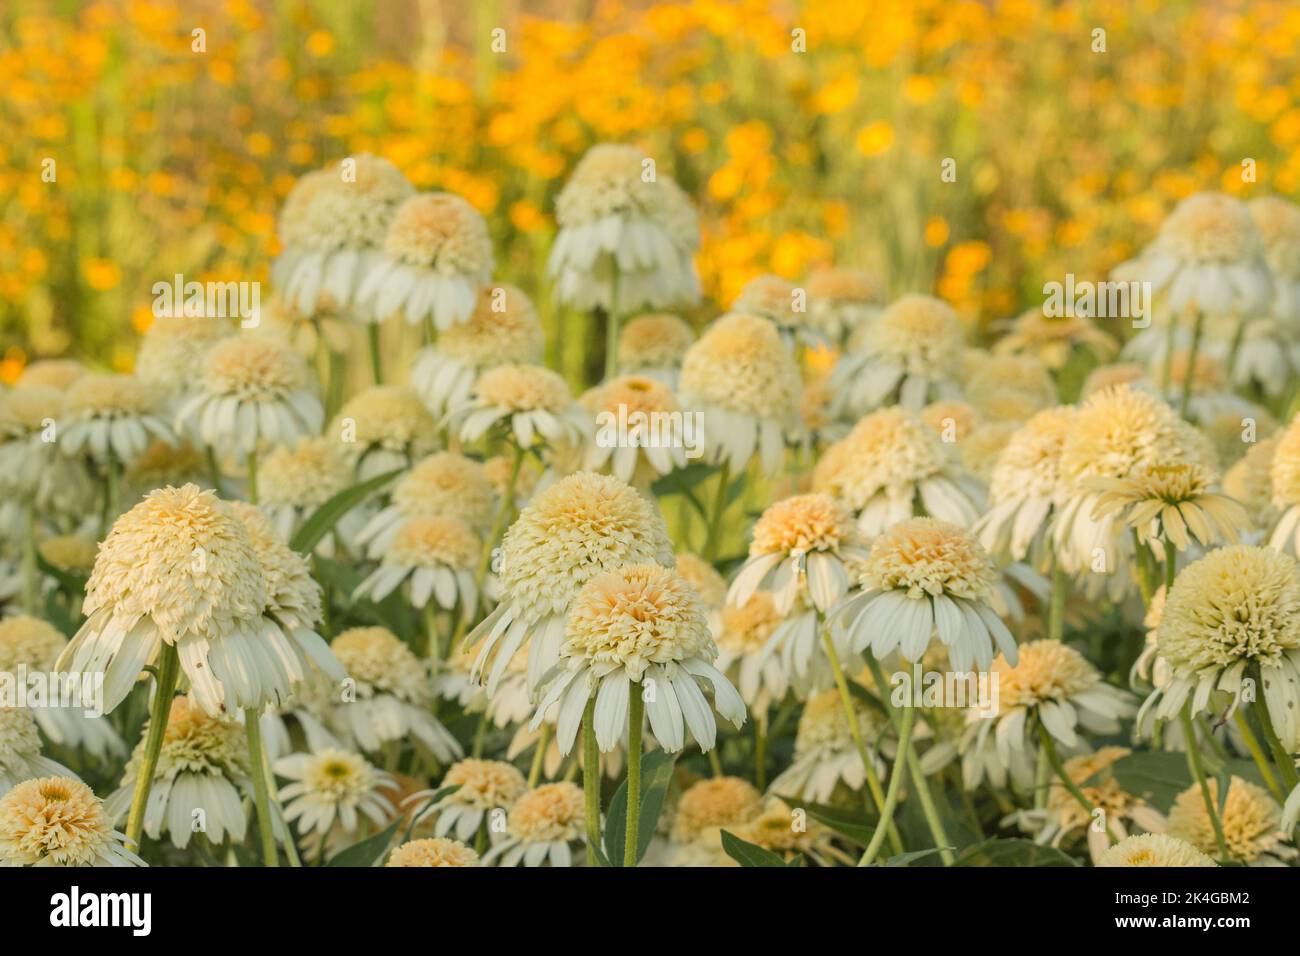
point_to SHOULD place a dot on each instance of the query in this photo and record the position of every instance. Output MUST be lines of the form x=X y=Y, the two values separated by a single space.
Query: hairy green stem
x=168 y=672
x=635 y=718
x=895 y=787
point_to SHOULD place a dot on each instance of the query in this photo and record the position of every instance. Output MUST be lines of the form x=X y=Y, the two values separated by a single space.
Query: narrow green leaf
x=1015 y=852
x=855 y=825
x=749 y=854
x=327 y=515
x=428 y=805
x=366 y=852
x=656 y=775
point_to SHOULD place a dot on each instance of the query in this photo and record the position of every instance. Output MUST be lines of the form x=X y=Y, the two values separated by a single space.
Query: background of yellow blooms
x=169 y=160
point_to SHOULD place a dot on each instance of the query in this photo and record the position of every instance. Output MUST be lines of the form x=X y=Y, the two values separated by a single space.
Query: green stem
x=846 y=701
x=711 y=542
x=1198 y=774
x=252 y=476
x=168 y=672
x=261 y=786
x=539 y=756
x=214 y=470
x=430 y=613
x=376 y=362
x=715 y=762
x=1171 y=566
x=1142 y=560
x=611 y=329
x=1056 y=604
x=895 y=787
x=110 y=492
x=1171 y=340
x=1190 y=375
x=919 y=783
x=1257 y=754
x=591 y=779
x=1049 y=748
x=1285 y=762
x=635 y=718
x=760 y=751
x=31 y=570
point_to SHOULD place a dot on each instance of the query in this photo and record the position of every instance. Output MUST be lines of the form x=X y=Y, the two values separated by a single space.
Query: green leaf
x=1012 y=852
x=1155 y=776
x=73 y=584
x=750 y=854
x=855 y=825
x=903 y=859
x=656 y=775
x=327 y=515
x=368 y=851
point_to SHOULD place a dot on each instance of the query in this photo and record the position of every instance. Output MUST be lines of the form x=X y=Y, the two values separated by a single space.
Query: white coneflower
x=20 y=749
x=482 y=787
x=164 y=463
x=437 y=257
x=503 y=329
x=926 y=578
x=58 y=821
x=445 y=484
x=1114 y=434
x=980 y=452
x=627 y=628
x=1232 y=613
x=888 y=465
x=1278 y=222
x=821 y=427
x=640 y=429
x=393 y=694
x=294 y=480
x=540 y=828
x=627 y=235
x=70 y=552
x=254 y=392
x=746 y=382
x=708 y=583
x=1250 y=820
x=992 y=377
x=745 y=654
x=653 y=345
x=438 y=851
x=773 y=298
x=181 y=569
x=1120 y=373
x=436 y=557
x=111 y=417
x=825 y=752
x=800 y=548
x=28 y=642
x=1260 y=353
x=1153 y=849
x=172 y=352
x=910 y=355
x=530 y=401
x=1250 y=481
x=203 y=766
x=384 y=428
x=1230 y=435
x=704 y=810
x=1171 y=503
x=333 y=786
x=1063 y=819
x=58 y=374
x=331 y=228
x=1208 y=256
x=1053 y=340
x=1047 y=695
x=577 y=528
x=1284 y=479
x=32 y=470
x=841 y=301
